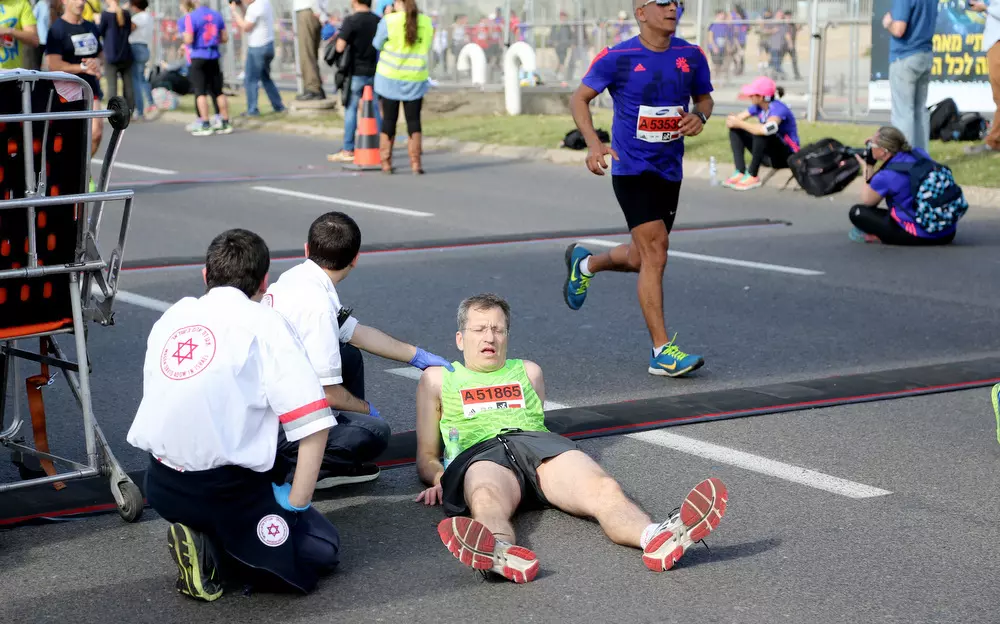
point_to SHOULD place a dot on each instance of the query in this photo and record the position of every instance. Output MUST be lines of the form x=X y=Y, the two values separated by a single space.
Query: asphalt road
x=810 y=304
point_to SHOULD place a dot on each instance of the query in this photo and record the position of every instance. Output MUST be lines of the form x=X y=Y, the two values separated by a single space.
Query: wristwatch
x=83 y=65
x=702 y=117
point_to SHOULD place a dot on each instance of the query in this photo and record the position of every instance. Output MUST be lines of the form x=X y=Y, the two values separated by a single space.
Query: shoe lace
x=583 y=280
x=672 y=350
x=676 y=512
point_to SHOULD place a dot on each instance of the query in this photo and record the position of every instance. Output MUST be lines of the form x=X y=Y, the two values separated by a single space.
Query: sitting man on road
x=306 y=296
x=222 y=375
x=499 y=457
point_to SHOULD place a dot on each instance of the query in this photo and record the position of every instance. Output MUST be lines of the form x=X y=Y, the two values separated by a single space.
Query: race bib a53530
x=506 y=396
x=659 y=124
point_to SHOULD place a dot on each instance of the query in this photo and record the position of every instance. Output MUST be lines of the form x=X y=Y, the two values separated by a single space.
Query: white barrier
x=525 y=54
x=472 y=56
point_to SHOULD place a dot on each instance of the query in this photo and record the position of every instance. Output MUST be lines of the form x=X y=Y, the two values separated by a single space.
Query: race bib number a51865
x=659 y=124
x=506 y=396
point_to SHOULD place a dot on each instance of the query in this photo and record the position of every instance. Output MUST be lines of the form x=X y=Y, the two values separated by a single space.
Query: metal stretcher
x=53 y=279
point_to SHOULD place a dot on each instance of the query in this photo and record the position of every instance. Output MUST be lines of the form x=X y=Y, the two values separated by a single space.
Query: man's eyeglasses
x=659 y=2
x=479 y=331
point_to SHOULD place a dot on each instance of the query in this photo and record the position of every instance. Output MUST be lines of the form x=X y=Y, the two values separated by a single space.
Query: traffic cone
x=366 y=152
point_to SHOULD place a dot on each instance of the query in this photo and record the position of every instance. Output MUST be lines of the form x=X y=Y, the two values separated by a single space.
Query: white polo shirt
x=261 y=15
x=221 y=372
x=306 y=297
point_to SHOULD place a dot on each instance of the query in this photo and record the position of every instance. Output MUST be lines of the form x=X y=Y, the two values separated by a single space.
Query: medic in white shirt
x=222 y=374
x=306 y=296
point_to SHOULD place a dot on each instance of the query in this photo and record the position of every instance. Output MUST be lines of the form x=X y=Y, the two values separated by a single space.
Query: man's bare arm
x=534 y=372
x=429 y=465
x=310 y=458
x=339 y=398
x=381 y=344
x=579 y=106
x=704 y=104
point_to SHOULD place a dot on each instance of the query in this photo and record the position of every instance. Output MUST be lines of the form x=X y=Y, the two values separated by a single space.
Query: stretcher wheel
x=131 y=509
x=122 y=116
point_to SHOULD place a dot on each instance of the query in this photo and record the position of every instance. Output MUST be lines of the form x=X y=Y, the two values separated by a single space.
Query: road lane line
x=143 y=168
x=718 y=260
x=142 y=301
x=342 y=202
x=756 y=463
x=407 y=371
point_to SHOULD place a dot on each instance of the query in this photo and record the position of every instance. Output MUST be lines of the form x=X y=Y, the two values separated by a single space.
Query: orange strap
x=36 y=406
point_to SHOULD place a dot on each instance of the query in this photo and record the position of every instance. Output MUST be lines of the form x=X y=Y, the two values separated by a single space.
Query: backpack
x=943 y=113
x=574 y=139
x=938 y=202
x=966 y=127
x=824 y=167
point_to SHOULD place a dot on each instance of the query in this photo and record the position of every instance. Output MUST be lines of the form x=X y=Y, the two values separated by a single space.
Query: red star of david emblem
x=180 y=355
x=273 y=530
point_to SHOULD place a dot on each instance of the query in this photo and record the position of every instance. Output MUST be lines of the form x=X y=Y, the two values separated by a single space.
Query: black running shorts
x=647 y=197
x=521 y=451
x=206 y=77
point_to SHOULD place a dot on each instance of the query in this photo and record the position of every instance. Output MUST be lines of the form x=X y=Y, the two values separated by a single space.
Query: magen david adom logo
x=187 y=352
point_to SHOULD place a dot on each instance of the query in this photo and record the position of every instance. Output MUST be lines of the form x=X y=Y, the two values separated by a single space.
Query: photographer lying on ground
x=923 y=201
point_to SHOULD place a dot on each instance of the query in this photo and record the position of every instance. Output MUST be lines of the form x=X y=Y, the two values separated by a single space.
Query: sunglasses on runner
x=659 y=2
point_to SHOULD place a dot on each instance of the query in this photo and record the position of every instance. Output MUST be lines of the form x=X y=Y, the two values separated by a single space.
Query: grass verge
x=547 y=131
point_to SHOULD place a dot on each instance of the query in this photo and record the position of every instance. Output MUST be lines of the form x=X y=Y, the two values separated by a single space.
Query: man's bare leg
x=201 y=102
x=576 y=484
x=492 y=494
x=647 y=255
x=485 y=541
x=223 y=103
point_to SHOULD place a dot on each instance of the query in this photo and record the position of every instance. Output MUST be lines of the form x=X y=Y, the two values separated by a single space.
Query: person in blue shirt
x=911 y=24
x=204 y=30
x=896 y=224
x=652 y=79
x=770 y=142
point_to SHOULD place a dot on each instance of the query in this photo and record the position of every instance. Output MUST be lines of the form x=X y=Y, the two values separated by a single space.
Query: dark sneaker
x=346 y=475
x=198 y=576
x=575 y=287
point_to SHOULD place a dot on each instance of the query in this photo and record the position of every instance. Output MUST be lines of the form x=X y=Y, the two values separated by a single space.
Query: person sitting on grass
x=769 y=142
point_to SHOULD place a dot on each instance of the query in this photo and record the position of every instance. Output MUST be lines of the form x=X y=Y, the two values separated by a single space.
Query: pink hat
x=761 y=85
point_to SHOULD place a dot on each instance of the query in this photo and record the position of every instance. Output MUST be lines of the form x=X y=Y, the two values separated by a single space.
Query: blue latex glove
x=281 y=493
x=423 y=360
x=372 y=411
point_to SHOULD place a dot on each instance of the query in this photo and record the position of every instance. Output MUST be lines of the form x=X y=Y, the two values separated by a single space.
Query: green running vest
x=477 y=406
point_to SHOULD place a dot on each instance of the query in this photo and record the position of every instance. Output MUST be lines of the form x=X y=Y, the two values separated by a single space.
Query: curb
x=976 y=195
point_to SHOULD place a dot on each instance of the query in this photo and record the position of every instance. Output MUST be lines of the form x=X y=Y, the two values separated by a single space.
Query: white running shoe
x=699 y=515
x=475 y=546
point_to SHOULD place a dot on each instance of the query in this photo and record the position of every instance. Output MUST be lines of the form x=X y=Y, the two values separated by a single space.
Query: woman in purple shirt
x=770 y=140
x=896 y=224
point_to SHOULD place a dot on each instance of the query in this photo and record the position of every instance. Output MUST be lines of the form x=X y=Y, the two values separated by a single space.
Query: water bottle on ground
x=713 y=172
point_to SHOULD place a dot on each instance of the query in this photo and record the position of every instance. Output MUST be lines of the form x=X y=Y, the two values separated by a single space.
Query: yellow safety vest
x=398 y=61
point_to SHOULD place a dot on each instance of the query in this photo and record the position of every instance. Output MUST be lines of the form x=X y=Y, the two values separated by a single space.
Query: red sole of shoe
x=470 y=541
x=704 y=507
x=526 y=575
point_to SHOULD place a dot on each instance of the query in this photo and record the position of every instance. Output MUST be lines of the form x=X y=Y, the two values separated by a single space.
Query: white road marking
x=143 y=168
x=552 y=406
x=407 y=371
x=718 y=260
x=343 y=202
x=756 y=463
x=142 y=301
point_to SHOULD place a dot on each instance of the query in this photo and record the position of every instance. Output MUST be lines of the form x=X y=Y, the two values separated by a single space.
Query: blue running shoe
x=672 y=362
x=575 y=289
x=995 y=395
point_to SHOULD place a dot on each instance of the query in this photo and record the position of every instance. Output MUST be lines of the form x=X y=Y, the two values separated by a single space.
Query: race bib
x=84 y=44
x=659 y=124
x=506 y=396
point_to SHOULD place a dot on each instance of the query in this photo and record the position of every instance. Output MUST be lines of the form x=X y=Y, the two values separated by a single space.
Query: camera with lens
x=864 y=152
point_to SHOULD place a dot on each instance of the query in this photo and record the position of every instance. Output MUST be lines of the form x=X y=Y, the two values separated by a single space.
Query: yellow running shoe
x=198 y=575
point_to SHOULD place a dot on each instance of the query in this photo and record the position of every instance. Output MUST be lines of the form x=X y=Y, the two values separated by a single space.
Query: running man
x=651 y=79
x=500 y=457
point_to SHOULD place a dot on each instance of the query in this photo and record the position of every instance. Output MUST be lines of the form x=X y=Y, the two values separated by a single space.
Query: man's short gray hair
x=482 y=302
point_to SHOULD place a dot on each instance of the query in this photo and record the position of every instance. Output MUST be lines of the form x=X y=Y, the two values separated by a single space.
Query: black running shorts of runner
x=206 y=77
x=520 y=451
x=647 y=197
